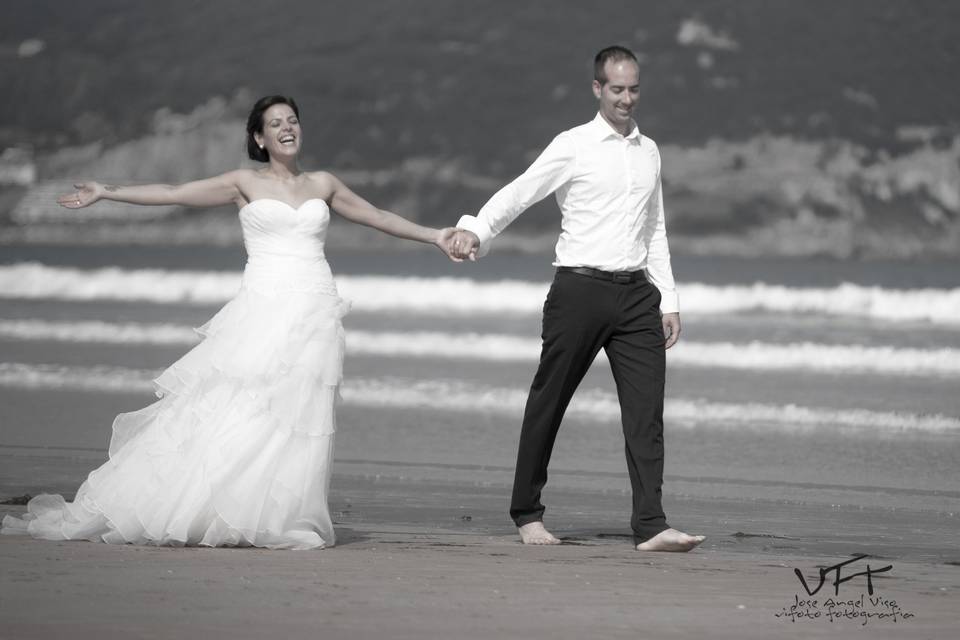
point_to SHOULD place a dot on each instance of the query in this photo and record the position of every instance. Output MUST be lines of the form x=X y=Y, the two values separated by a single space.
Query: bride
x=237 y=451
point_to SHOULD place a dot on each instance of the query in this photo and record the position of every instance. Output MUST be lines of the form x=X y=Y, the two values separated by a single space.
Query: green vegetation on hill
x=834 y=119
x=380 y=80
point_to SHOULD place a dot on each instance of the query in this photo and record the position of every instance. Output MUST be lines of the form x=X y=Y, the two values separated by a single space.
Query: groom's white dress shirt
x=608 y=188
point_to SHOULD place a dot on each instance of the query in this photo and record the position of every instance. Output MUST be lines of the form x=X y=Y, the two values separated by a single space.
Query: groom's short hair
x=616 y=53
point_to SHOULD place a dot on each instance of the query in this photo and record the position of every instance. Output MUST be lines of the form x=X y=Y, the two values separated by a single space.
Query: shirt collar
x=604 y=130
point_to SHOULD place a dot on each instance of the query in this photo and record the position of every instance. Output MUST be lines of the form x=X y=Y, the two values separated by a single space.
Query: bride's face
x=281 y=131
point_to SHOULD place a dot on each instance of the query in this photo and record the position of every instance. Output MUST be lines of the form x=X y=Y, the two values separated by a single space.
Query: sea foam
x=459 y=396
x=749 y=356
x=458 y=296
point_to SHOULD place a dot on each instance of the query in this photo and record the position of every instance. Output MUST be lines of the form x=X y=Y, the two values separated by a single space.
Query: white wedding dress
x=238 y=449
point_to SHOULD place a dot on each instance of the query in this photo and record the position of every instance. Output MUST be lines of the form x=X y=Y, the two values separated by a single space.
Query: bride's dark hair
x=255 y=124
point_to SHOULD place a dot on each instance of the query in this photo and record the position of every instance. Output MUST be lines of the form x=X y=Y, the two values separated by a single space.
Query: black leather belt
x=624 y=277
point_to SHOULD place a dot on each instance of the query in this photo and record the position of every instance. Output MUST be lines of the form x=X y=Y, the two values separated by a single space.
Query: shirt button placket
x=628 y=176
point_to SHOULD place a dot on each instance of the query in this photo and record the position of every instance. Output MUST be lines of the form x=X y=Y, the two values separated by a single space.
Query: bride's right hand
x=86 y=194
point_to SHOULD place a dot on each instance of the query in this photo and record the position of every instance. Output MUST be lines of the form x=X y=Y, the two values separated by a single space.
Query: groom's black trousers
x=583 y=314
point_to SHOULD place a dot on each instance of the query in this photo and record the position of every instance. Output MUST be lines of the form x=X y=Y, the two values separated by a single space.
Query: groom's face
x=618 y=95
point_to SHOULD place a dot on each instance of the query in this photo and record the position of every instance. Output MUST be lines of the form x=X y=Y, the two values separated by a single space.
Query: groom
x=613 y=290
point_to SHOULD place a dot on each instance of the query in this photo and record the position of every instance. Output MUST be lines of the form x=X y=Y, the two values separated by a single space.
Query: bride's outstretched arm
x=210 y=192
x=356 y=209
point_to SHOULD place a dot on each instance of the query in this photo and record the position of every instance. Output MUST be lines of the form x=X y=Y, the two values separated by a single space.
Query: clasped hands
x=458 y=244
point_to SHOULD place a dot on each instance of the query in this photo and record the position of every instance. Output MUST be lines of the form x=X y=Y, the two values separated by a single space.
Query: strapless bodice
x=285 y=245
x=274 y=228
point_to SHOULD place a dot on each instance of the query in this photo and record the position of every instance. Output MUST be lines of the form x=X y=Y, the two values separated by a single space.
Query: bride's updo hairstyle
x=255 y=124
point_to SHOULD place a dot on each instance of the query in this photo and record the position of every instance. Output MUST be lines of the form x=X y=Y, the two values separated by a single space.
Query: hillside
x=835 y=122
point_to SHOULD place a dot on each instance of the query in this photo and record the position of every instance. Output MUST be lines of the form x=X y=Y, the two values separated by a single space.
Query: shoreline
x=365 y=497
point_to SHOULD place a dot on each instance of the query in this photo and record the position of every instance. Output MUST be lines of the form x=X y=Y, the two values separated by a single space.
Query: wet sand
x=423 y=558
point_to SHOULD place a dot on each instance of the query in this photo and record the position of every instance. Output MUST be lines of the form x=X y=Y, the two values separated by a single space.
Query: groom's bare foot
x=671 y=540
x=536 y=533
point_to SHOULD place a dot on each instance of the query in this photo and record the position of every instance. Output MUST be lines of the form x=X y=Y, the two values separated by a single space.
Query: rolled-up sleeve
x=549 y=171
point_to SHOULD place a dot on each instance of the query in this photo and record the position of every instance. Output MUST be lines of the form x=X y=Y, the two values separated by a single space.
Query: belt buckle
x=623 y=277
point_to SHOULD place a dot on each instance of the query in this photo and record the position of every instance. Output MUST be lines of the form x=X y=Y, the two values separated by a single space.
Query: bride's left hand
x=444 y=242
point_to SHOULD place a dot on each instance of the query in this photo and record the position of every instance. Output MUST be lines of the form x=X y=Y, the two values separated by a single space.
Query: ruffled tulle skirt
x=237 y=451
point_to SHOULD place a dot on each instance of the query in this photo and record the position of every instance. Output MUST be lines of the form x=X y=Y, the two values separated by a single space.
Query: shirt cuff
x=478 y=228
x=669 y=302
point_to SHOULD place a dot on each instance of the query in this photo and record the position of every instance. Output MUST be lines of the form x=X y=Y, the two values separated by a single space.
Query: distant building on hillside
x=17 y=167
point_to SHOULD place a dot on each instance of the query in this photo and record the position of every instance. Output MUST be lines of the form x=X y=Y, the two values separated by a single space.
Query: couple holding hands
x=237 y=451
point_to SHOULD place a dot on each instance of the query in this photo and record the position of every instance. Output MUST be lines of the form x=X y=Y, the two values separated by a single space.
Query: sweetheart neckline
x=286 y=204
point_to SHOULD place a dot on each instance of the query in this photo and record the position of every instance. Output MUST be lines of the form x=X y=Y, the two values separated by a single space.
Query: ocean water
x=807 y=380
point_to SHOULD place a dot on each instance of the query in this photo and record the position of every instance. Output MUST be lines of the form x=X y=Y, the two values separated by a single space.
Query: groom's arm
x=548 y=172
x=659 y=270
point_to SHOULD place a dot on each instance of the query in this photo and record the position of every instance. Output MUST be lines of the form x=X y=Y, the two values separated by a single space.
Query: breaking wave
x=457 y=296
x=458 y=396
x=757 y=356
